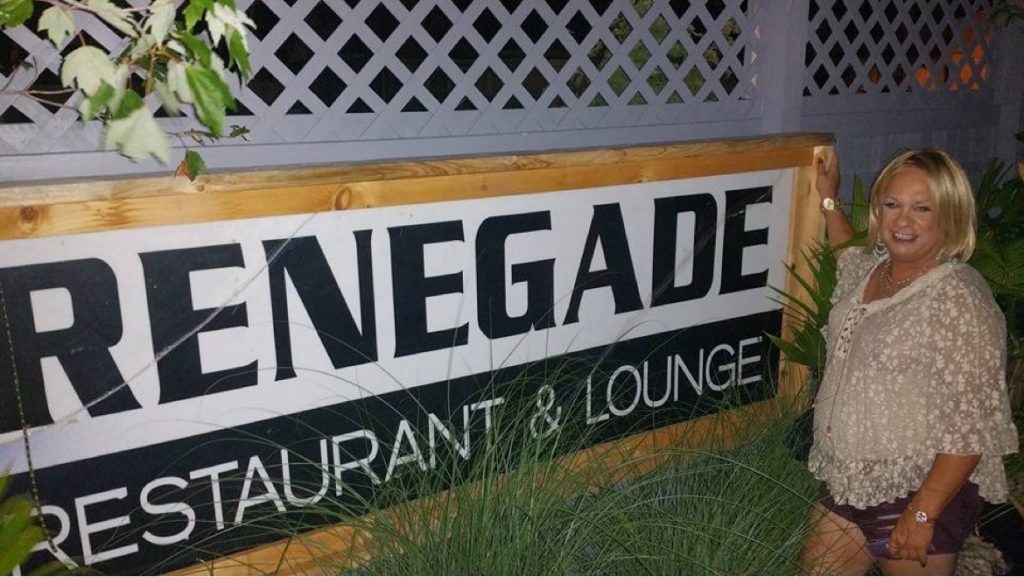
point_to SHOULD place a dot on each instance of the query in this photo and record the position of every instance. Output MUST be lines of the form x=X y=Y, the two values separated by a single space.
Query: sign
x=185 y=385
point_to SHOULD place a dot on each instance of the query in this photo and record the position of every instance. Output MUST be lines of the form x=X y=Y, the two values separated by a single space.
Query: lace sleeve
x=851 y=265
x=969 y=409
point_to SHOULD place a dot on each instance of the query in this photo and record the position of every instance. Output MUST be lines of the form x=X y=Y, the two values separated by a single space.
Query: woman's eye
x=923 y=209
x=889 y=204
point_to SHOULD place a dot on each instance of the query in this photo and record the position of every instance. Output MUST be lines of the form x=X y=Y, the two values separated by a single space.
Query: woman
x=912 y=417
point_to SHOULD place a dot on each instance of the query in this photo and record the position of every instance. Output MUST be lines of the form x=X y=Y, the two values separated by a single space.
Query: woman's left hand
x=910 y=539
x=827 y=182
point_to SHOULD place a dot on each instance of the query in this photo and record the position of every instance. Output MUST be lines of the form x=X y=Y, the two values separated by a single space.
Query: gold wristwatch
x=922 y=517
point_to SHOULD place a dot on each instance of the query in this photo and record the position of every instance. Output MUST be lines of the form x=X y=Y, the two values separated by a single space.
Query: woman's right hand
x=827 y=182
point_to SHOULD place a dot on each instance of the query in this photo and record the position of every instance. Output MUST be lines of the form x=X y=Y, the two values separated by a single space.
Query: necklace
x=894 y=285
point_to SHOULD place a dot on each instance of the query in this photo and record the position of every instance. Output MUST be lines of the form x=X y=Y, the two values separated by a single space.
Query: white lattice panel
x=350 y=70
x=890 y=46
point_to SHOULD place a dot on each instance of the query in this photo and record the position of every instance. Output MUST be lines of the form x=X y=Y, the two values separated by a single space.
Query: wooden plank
x=14 y=195
x=142 y=211
x=806 y=226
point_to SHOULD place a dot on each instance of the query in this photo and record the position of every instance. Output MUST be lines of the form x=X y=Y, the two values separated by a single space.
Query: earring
x=880 y=252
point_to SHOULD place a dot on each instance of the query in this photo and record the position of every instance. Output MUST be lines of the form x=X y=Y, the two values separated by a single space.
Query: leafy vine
x=174 y=51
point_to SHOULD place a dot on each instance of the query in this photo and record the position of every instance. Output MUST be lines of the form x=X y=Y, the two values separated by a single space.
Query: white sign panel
x=156 y=366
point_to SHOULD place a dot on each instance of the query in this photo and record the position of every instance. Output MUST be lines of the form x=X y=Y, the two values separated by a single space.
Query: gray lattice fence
x=885 y=46
x=350 y=79
x=439 y=69
x=370 y=70
x=891 y=74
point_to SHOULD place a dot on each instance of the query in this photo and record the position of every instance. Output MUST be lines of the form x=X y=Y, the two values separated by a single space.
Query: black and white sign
x=173 y=378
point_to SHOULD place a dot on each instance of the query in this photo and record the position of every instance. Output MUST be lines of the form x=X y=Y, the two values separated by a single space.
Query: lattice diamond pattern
x=329 y=70
x=886 y=46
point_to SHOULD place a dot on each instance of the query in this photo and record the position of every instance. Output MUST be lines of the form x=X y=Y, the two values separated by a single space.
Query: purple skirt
x=876 y=522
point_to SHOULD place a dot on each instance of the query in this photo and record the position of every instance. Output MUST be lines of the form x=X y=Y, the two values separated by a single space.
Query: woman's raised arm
x=836 y=224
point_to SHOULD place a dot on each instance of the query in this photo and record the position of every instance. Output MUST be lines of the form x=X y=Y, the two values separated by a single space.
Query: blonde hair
x=952 y=199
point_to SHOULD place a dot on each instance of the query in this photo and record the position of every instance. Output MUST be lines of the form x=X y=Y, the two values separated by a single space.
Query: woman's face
x=909 y=225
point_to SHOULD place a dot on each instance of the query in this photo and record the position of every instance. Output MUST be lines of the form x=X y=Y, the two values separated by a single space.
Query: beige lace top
x=920 y=373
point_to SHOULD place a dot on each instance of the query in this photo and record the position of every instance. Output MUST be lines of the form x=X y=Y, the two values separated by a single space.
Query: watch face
x=921 y=516
x=828 y=204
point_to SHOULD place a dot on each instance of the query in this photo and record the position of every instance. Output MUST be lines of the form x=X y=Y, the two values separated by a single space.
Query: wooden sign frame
x=31 y=211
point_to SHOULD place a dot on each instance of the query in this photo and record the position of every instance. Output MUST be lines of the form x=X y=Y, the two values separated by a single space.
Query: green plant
x=808 y=318
x=713 y=510
x=521 y=506
x=492 y=521
x=999 y=254
x=1008 y=12
x=999 y=257
x=18 y=531
x=173 y=53
x=737 y=511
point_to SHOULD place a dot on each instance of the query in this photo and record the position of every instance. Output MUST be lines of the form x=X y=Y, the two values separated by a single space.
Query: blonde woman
x=912 y=416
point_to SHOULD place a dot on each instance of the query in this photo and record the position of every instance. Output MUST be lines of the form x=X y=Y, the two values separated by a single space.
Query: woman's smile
x=909 y=226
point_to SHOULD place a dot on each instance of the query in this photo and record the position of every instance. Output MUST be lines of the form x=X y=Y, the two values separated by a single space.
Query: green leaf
x=142 y=48
x=1002 y=265
x=15 y=12
x=199 y=50
x=167 y=97
x=88 y=67
x=196 y=164
x=93 y=105
x=18 y=532
x=57 y=23
x=809 y=315
x=793 y=352
x=117 y=17
x=160 y=20
x=178 y=83
x=222 y=19
x=194 y=12
x=212 y=97
x=129 y=104
x=119 y=80
x=859 y=209
x=137 y=135
x=239 y=53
